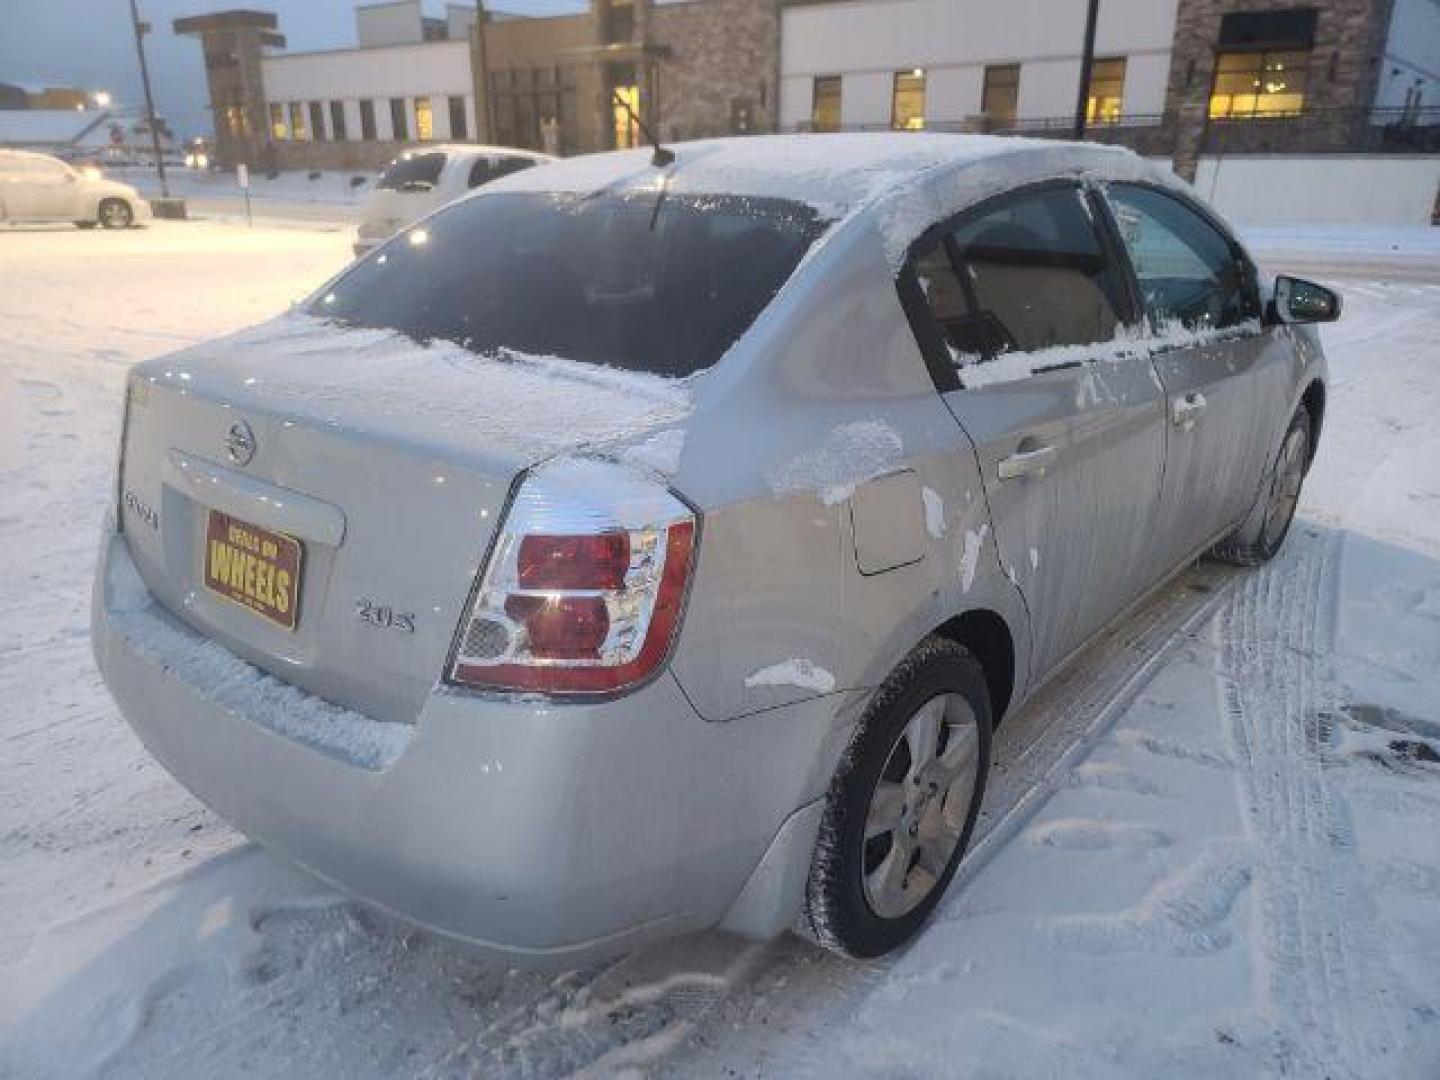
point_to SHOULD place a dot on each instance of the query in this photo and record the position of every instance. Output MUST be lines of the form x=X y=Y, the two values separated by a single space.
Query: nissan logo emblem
x=240 y=443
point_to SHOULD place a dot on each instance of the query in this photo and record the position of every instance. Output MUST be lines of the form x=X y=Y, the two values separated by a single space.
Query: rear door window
x=412 y=172
x=486 y=169
x=1022 y=275
x=662 y=286
x=1190 y=273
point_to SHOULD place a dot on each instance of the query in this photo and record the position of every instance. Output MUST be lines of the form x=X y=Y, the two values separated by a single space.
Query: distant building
x=688 y=68
x=1178 y=78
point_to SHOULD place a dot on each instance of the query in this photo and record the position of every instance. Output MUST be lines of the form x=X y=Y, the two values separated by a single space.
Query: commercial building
x=690 y=68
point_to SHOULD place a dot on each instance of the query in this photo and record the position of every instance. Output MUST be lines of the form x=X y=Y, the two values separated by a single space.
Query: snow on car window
x=641 y=281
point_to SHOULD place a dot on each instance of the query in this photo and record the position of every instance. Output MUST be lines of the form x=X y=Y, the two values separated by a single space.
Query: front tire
x=116 y=214
x=902 y=805
x=1261 y=535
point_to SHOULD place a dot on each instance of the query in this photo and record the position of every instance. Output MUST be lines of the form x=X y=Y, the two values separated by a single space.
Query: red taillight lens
x=562 y=627
x=574 y=562
x=585 y=587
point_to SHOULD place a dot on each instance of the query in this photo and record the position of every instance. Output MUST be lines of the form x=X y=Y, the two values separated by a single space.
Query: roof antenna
x=661 y=157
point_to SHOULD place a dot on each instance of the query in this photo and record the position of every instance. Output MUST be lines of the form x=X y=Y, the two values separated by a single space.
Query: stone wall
x=718 y=74
x=1344 y=67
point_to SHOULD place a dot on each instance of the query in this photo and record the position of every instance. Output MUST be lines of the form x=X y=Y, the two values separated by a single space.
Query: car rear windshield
x=411 y=171
x=663 y=285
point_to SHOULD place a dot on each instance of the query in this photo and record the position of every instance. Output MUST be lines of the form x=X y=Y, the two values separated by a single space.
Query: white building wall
x=432 y=67
x=955 y=39
x=865 y=98
x=1361 y=189
x=1412 y=55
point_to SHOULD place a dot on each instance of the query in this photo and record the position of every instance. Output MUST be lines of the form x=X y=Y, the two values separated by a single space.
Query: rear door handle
x=1027 y=463
x=1186 y=411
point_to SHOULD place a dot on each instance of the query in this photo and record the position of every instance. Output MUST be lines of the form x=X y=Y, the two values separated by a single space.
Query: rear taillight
x=584 y=587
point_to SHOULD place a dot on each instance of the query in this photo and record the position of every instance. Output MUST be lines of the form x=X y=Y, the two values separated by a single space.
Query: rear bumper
x=545 y=835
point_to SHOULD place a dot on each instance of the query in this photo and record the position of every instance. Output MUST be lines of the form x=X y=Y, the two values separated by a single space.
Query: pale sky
x=88 y=43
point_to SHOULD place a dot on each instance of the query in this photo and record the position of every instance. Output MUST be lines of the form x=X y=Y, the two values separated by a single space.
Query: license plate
x=253 y=567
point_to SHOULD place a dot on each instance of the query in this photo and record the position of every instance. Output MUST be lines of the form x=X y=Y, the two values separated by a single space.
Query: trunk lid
x=387 y=461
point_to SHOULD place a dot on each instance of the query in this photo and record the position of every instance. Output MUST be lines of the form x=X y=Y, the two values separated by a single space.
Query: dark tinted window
x=1025 y=275
x=622 y=281
x=457 y=117
x=481 y=172
x=1188 y=271
x=412 y=172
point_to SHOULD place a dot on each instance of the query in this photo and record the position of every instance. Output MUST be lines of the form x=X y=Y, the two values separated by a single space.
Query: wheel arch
x=1313 y=401
x=987 y=636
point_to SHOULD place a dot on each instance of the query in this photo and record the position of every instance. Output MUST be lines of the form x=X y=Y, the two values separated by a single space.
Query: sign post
x=242 y=174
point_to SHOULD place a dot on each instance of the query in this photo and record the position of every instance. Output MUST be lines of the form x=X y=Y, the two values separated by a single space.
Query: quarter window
x=825 y=103
x=1189 y=272
x=1027 y=274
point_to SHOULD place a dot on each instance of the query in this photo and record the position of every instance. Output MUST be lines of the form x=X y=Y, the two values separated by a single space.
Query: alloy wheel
x=1285 y=486
x=919 y=807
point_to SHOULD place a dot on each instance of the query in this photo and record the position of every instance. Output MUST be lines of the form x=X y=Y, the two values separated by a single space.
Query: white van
x=418 y=181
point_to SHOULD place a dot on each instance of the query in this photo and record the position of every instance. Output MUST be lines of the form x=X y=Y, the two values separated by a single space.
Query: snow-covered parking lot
x=1211 y=849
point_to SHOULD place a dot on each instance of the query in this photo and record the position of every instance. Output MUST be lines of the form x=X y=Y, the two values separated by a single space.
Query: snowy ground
x=1211 y=849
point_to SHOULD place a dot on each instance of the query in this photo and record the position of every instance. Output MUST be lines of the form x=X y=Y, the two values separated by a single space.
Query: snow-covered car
x=419 y=181
x=628 y=550
x=38 y=187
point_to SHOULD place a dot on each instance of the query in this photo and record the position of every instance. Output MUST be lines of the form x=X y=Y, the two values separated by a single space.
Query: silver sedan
x=639 y=546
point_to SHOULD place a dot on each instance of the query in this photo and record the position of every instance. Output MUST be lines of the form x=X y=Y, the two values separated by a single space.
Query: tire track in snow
x=1318 y=944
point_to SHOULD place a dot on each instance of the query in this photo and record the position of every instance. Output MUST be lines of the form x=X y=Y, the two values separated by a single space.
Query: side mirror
x=1300 y=301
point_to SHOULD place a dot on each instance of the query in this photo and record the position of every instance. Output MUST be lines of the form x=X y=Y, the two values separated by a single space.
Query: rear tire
x=1262 y=533
x=902 y=805
x=116 y=214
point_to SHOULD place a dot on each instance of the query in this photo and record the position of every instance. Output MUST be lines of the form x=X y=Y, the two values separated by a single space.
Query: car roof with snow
x=833 y=172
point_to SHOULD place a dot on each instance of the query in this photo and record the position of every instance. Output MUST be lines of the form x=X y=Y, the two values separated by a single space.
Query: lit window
x=278 y=130
x=424 y=120
x=627 y=133
x=1000 y=100
x=825 y=104
x=1106 y=98
x=907 y=103
x=297 y=121
x=1259 y=84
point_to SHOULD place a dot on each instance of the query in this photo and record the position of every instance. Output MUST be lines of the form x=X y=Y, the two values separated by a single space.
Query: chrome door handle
x=1027 y=463
x=1186 y=411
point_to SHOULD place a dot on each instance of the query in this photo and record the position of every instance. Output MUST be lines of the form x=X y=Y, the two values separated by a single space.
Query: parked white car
x=38 y=187
x=419 y=181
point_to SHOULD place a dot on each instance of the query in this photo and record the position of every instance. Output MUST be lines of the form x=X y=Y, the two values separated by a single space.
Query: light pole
x=141 y=29
x=1087 y=62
